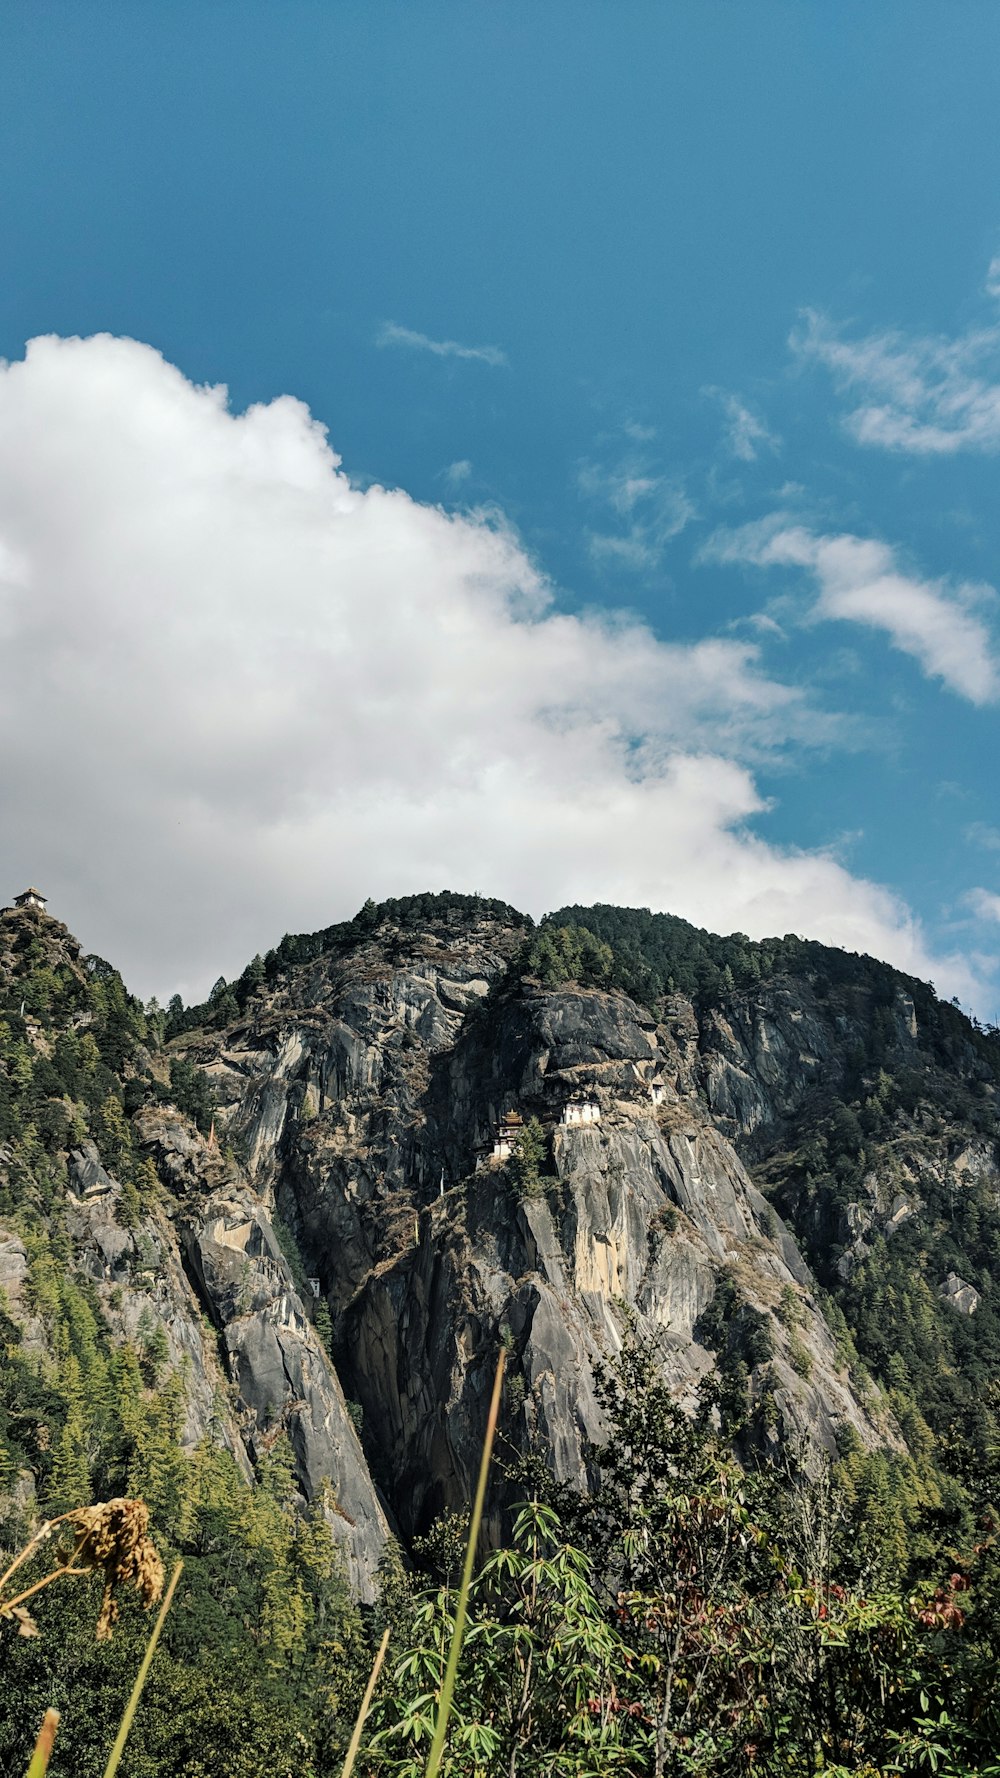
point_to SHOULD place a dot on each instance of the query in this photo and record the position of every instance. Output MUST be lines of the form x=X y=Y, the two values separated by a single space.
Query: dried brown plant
x=111 y=1539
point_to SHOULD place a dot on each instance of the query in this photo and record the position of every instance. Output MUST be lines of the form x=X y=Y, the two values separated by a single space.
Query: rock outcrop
x=281 y=1378
x=363 y=1096
x=420 y=1153
x=959 y=1295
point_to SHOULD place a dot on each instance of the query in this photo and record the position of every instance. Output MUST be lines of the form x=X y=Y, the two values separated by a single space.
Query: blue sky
x=691 y=306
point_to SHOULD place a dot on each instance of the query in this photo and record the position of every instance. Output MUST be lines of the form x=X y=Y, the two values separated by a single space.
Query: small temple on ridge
x=31 y=898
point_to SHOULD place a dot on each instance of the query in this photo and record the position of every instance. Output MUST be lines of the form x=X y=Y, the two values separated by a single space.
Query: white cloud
x=459 y=472
x=858 y=580
x=391 y=334
x=925 y=394
x=630 y=549
x=638 y=432
x=652 y=508
x=985 y=904
x=746 y=433
x=980 y=833
x=238 y=695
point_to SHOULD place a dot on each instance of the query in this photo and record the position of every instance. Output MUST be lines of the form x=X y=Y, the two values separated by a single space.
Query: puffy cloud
x=238 y=695
x=859 y=581
x=391 y=334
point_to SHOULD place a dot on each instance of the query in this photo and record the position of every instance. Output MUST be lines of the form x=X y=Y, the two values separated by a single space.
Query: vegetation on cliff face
x=657 y=954
x=557 y=954
x=86 y=1414
x=875 y=1163
x=694 y=1614
x=406 y=913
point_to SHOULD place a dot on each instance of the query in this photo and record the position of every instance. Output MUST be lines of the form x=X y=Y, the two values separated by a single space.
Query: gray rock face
x=284 y=1378
x=87 y=1175
x=361 y=1097
x=961 y=1297
x=144 y=1289
x=212 y=1248
x=360 y=1103
x=13 y=1267
x=763 y=1057
x=896 y=1192
x=14 y=1272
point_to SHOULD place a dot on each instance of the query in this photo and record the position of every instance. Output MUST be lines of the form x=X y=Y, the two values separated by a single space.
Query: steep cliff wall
x=412 y=1150
x=364 y=1095
x=185 y=1273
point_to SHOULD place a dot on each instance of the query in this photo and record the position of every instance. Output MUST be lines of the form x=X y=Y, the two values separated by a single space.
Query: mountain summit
x=323 y=1199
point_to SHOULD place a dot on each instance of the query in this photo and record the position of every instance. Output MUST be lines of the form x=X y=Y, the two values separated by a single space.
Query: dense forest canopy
x=657 y=954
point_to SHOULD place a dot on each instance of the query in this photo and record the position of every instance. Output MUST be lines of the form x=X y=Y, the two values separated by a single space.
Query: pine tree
x=69 y=1477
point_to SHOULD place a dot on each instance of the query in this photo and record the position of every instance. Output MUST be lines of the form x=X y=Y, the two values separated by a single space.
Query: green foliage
x=890 y=1316
x=264 y=1594
x=192 y=1092
x=801 y=1358
x=223 y=1004
x=537 y=1678
x=557 y=954
x=445 y=911
x=694 y=1618
x=263 y=1600
x=742 y=1338
x=665 y=1220
x=527 y=1163
x=323 y=1323
x=68 y=1032
x=657 y=954
x=293 y=1256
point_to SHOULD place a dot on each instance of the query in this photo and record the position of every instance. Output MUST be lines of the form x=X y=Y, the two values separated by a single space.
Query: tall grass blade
x=140 y=1679
x=355 y=1743
x=448 y=1683
x=43 y=1746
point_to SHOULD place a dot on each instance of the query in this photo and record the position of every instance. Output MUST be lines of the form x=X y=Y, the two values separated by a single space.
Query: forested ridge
x=716 y=1605
x=86 y=1413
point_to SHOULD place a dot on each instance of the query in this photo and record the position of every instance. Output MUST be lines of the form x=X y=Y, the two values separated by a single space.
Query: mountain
x=307 y=1213
x=866 y=1110
x=364 y=1090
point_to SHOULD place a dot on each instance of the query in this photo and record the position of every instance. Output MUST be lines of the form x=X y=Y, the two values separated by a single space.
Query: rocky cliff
x=418 y=1150
x=365 y=1090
